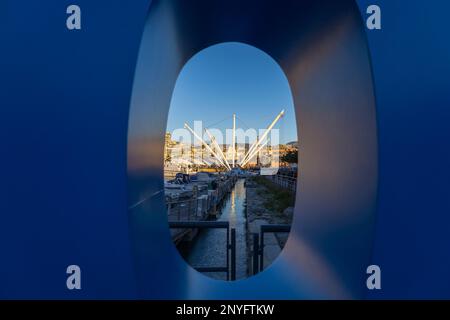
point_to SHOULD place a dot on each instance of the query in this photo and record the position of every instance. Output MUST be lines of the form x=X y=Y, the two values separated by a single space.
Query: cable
x=209 y=126
x=246 y=125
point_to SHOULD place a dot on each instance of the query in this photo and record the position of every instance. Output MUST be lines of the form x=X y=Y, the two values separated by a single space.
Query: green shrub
x=276 y=199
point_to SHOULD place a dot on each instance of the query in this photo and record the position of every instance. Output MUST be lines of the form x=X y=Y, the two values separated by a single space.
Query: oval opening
x=230 y=161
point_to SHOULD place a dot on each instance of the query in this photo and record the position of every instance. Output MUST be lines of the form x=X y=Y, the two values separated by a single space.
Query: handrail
x=199 y=224
x=258 y=246
x=230 y=268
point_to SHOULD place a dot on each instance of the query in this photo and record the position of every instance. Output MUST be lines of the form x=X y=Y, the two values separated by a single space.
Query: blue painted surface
x=411 y=66
x=64 y=102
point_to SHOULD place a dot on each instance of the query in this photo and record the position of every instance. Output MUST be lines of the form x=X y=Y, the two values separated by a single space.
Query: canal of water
x=209 y=247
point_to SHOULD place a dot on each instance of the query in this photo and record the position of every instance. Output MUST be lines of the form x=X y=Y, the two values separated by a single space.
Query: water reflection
x=209 y=248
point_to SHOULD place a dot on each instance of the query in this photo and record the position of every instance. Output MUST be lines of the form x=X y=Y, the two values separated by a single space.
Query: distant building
x=190 y=157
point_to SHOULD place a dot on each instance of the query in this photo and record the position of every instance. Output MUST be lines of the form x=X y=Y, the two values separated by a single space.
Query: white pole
x=214 y=142
x=258 y=141
x=206 y=145
x=254 y=153
x=234 y=139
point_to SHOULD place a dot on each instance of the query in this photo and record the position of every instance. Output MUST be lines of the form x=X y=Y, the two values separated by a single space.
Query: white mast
x=206 y=145
x=214 y=142
x=234 y=139
x=254 y=153
x=258 y=141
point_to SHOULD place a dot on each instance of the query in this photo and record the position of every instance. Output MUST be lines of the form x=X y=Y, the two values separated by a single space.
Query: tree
x=290 y=156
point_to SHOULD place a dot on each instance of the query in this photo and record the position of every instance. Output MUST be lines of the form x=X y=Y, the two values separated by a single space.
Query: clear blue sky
x=233 y=78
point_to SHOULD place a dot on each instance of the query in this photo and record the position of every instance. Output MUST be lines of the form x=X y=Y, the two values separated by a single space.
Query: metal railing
x=198 y=205
x=283 y=181
x=187 y=210
x=230 y=268
x=258 y=243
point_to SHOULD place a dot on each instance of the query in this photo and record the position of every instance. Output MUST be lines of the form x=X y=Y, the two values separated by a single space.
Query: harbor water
x=209 y=247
